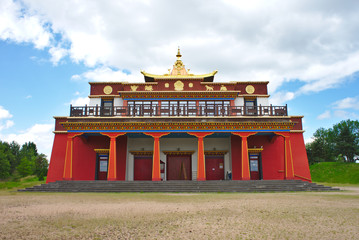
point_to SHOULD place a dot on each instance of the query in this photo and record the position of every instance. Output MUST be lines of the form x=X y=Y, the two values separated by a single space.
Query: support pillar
x=112 y=160
x=288 y=158
x=201 y=164
x=156 y=171
x=245 y=171
x=68 y=156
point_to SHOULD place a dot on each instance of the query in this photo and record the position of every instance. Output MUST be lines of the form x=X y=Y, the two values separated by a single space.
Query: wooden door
x=214 y=168
x=254 y=166
x=179 y=167
x=143 y=168
x=102 y=167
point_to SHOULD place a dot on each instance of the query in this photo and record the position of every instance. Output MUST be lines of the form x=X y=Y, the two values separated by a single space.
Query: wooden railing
x=148 y=110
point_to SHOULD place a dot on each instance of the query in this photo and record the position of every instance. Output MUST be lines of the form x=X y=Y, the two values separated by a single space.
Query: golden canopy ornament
x=179 y=86
x=107 y=90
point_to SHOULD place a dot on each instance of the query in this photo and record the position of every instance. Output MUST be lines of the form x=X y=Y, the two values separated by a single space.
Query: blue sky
x=50 y=50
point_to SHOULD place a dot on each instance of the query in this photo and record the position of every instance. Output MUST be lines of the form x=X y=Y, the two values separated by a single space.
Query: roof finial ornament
x=178 y=53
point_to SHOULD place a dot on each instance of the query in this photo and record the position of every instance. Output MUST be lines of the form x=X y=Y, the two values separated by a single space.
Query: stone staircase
x=180 y=186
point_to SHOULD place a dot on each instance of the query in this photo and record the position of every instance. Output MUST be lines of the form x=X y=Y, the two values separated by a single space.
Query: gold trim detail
x=215 y=152
x=142 y=153
x=167 y=85
x=255 y=150
x=209 y=88
x=134 y=88
x=60 y=132
x=169 y=126
x=223 y=88
x=176 y=94
x=102 y=150
x=250 y=89
x=107 y=90
x=190 y=85
x=148 y=88
x=178 y=152
x=179 y=86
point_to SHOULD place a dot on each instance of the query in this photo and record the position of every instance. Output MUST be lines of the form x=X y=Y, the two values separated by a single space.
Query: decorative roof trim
x=178 y=152
x=143 y=83
x=214 y=152
x=167 y=76
x=255 y=150
x=102 y=150
x=109 y=83
x=178 y=94
x=104 y=96
x=176 y=126
x=142 y=153
x=253 y=82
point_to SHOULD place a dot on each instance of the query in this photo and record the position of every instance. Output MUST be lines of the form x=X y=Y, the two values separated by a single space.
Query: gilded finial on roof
x=178 y=53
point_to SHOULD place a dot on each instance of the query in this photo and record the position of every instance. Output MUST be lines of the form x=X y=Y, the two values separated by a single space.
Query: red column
x=288 y=158
x=156 y=171
x=112 y=161
x=201 y=165
x=68 y=156
x=245 y=173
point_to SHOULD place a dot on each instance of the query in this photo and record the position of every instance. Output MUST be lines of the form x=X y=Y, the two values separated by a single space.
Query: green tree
x=347 y=139
x=41 y=166
x=15 y=150
x=4 y=165
x=26 y=167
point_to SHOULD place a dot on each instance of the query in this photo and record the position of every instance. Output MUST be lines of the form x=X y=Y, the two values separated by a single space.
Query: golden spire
x=178 y=53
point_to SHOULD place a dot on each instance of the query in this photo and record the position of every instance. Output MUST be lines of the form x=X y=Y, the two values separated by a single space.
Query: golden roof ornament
x=178 y=71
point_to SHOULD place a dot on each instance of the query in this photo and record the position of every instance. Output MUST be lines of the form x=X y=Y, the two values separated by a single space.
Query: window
x=107 y=107
x=250 y=107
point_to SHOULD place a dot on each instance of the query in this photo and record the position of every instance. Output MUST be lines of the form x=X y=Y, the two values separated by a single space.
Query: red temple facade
x=178 y=126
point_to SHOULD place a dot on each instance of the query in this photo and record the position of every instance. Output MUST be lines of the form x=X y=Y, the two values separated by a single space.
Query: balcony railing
x=187 y=111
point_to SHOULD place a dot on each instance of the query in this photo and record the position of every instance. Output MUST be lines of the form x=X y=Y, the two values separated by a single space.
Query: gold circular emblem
x=250 y=89
x=190 y=84
x=178 y=86
x=167 y=85
x=107 y=90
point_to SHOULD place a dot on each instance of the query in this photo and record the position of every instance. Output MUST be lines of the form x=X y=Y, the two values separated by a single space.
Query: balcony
x=177 y=111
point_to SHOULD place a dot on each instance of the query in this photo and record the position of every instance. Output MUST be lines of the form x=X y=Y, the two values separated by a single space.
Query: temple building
x=178 y=126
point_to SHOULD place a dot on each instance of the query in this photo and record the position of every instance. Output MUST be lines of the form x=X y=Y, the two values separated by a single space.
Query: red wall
x=299 y=154
x=56 y=167
x=272 y=155
x=121 y=151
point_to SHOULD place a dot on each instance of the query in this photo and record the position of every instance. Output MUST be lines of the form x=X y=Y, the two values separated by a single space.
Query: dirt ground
x=308 y=215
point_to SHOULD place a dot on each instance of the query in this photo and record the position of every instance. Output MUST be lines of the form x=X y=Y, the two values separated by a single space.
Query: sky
x=49 y=51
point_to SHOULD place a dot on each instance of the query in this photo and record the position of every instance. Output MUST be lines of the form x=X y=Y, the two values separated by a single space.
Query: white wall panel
x=95 y=101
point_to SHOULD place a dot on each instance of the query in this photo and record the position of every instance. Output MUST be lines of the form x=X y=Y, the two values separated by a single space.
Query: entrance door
x=143 y=168
x=214 y=168
x=102 y=166
x=179 y=167
x=254 y=166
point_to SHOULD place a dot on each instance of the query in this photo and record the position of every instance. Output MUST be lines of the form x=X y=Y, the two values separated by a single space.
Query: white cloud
x=19 y=25
x=40 y=134
x=4 y=113
x=347 y=103
x=80 y=101
x=280 y=98
x=28 y=97
x=324 y=115
x=345 y=114
x=106 y=74
x=314 y=42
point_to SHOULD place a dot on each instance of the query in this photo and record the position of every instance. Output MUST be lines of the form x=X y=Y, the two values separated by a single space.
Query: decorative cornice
x=104 y=96
x=108 y=83
x=176 y=126
x=143 y=83
x=253 y=95
x=215 y=152
x=142 y=153
x=255 y=150
x=218 y=83
x=253 y=82
x=60 y=132
x=178 y=94
x=167 y=76
x=297 y=131
x=178 y=152
x=102 y=150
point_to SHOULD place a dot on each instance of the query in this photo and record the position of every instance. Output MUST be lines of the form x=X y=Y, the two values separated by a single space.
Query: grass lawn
x=299 y=215
x=333 y=172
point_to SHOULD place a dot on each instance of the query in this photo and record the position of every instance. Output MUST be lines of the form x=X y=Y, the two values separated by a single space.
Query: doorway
x=214 y=168
x=179 y=167
x=255 y=165
x=101 y=167
x=142 y=168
